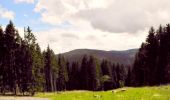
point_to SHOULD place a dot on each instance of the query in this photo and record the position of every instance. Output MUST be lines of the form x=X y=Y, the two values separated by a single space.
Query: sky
x=92 y=24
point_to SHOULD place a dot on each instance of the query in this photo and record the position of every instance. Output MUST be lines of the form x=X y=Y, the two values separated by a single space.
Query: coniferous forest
x=24 y=68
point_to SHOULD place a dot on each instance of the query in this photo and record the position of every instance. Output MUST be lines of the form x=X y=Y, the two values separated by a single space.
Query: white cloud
x=57 y=11
x=107 y=15
x=24 y=1
x=128 y=16
x=95 y=24
x=5 y=13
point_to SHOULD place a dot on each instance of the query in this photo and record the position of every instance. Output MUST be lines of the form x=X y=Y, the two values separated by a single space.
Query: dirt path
x=22 y=98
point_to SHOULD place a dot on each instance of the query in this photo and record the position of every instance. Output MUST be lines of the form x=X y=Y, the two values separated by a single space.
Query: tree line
x=152 y=62
x=21 y=61
x=25 y=69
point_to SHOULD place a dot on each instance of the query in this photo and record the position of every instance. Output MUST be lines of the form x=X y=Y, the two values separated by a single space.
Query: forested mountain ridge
x=125 y=57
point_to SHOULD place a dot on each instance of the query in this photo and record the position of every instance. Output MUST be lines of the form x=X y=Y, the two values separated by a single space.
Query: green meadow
x=126 y=93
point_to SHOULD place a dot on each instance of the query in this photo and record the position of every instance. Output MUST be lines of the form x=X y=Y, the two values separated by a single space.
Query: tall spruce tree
x=161 y=54
x=114 y=76
x=63 y=75
x=10 y=42
x=25 y=67
x=151 y=52
x=35 y=64
x=38 y=70
x=51 y=70
x=1 y=56
x=94 y=82
x=166 y=76
x=128 y=77
x=74 y=81
x=107 y=73
x=84 y=73
x=121 y=75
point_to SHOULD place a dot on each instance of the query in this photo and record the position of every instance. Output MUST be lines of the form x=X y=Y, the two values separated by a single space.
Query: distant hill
x=124 y=57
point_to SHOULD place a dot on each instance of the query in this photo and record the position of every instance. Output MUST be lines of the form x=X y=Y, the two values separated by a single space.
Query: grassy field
x=143 y=93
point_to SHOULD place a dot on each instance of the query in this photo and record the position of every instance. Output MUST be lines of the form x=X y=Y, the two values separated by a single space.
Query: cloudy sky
x=92 y=24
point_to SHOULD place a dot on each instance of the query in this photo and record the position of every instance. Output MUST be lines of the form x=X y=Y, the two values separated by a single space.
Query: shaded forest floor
x=129 y=93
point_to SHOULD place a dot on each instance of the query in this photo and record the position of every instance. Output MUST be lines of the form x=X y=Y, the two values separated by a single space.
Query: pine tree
x=74 y=81
x=139 y=76
x=114 y=76
x=107 y=72
x=49 y=74
x=128 y=77
x=38 y=70
x=161 y=55
x=151 y=52
x=17 y=68
x=10 y=42
x=33 y=66
x=94 y=82
x=63 y=75
x=121 y=75
x=84 y=73
x=166 y=76
x=25 y=67
x=1 y=57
